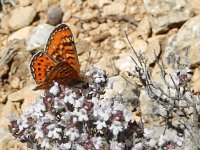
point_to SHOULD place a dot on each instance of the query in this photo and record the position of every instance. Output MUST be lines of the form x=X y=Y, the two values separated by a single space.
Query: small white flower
x=79 y=103
x=117 y=107
x=97 y=142
x=72 y=133
x=116 y=127
x=83 y=137
x=70 y=97
x=100 y=124
x=152 y=143
x=95 y=100
x=114 y=145
x=22 y=123
x=48 y=118
x=148 y=133
x=39 y=133
x=65 y=146
x=82 y=115
x=45 y=143
x=104 y=114
x=127 y=115
x=66 y=116
x=97 y=80
x=79 y=147
x=138 y=146
x=53 y=131
x=55 y=89
x=58 y=104
x=162 y=140
x=38 y=129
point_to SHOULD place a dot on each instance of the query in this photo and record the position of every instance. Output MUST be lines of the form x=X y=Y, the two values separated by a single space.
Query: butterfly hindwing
x=62 y=73
x=40 y=66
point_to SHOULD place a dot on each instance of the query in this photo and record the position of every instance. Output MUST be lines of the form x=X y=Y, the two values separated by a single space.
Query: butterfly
x=58 y=61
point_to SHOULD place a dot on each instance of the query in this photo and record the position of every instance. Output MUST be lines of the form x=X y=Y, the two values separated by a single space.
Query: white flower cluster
x=75 y=118
x=79 y=118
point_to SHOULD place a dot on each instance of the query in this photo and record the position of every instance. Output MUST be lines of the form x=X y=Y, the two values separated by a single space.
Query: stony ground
x=169 y=27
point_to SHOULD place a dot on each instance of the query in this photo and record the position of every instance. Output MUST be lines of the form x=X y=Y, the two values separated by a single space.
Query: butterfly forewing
x=61 y=47
x=40 y=66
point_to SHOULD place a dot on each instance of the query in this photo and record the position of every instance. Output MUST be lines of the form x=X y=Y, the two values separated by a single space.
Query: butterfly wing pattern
x=58 y=62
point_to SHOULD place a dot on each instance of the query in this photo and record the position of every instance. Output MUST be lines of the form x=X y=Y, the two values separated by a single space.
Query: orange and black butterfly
x=58 y=62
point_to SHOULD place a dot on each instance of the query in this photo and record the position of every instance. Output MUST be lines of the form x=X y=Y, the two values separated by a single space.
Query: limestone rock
x=54 y=16
x=164 y=14
x=114 y=9
x=21 y=34
x=22 y=17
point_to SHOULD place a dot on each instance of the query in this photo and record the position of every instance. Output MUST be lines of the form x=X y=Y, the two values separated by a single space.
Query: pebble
x=67 y=15
x=21 y=17
x=65 y=4
x=20 y=34
x=103 y=27
x=15 y=82
x=119 y=44
x=54 y=15
x=114 y=9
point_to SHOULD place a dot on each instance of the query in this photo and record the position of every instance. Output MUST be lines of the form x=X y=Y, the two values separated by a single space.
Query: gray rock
x=118 y=87
x=184 y=44
x=54 y=15
x=39 y=37
x=164 y=14
x=114 y=9
x=21 y=17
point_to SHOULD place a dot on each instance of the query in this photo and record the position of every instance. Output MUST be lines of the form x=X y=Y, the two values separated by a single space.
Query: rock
x=119 y=87
x=15 y=83
x=103 y=27
x=144 y=28
x=140 y=46
x=196 y=81
x=119 y=44
x=6 y=110
x=153 y=50
x=21 y=34
x=184 y=45
x=114 y=31
x=21 y=17
x=125 y=66
x=25 y=94
x=114 y=9
x=106 y=63
x=39 y=37
x=83 y=46
x=10 y=144
x=94 y=25
x=54 y=15
x=25 y=2
x=98 y=3
x=65 y=5
x=195 y=6
x=67 y=15
x=166 y=14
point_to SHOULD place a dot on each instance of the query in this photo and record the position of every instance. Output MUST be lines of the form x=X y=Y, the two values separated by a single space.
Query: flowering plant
x=76 y=118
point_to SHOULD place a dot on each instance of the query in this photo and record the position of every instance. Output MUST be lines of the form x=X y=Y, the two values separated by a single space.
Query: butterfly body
x=58 y=62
